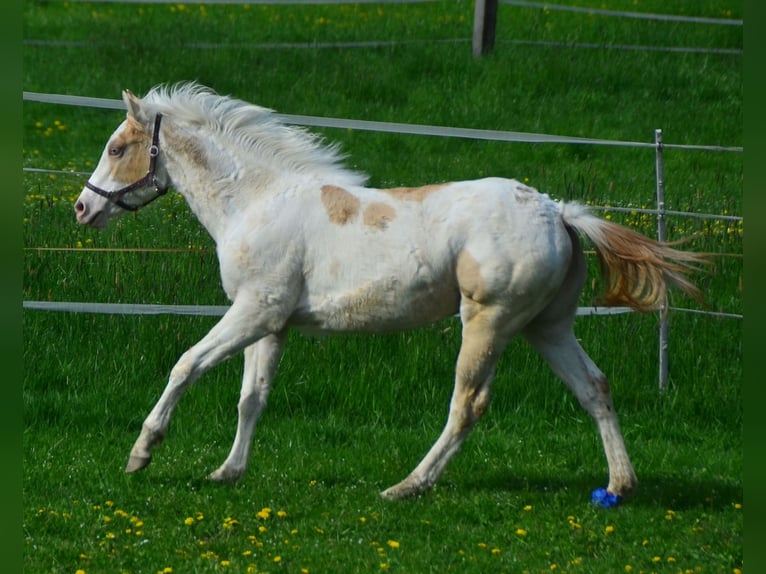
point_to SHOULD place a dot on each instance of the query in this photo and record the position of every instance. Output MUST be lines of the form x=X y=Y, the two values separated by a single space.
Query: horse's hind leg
x=484 y=338
x=558 y=345
x=261 y=360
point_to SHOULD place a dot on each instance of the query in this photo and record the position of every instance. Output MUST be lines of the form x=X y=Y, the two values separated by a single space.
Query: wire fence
x=518 y=3
x=398 y=128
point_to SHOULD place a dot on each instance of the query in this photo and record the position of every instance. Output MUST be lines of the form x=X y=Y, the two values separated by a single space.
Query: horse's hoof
x=404 y=489
x=136 y=463
x=225 y=476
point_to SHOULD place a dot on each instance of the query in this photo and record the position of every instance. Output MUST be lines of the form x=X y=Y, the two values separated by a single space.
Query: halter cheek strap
x=149 y=180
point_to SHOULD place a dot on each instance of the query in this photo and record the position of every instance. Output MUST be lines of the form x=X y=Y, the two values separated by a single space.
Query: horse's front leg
x=238 y=328
x=261 y=361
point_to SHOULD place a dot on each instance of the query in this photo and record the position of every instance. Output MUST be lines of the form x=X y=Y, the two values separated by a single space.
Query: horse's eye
x=116 y=151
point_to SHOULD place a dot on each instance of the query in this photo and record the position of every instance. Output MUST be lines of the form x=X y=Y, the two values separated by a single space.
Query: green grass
x=352 y=415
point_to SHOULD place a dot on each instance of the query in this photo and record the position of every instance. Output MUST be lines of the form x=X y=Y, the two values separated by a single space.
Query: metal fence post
x=484 y=24
x=663 y=330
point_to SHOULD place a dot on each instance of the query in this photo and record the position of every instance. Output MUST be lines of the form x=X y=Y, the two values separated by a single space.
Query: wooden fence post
x=484 y=23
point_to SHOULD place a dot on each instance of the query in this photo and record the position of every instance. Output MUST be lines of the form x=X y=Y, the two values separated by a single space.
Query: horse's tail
x=636 y=270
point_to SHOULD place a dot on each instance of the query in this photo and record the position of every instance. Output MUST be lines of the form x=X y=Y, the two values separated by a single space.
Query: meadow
x=351 y=415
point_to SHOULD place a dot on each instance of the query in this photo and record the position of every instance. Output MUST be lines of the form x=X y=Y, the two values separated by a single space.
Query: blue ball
x=605 y=499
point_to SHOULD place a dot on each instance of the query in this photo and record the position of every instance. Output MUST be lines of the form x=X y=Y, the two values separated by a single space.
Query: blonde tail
x=636 y=269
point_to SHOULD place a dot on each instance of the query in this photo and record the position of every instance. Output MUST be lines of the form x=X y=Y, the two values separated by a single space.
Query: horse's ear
x=133 y=104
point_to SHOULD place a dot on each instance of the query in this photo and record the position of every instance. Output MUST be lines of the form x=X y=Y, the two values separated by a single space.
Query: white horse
x=302 y=243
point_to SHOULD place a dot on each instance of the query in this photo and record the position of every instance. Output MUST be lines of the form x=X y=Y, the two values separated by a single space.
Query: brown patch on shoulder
x=469 y=278
x=341 y=206
x=414 y=193
x=378 y=215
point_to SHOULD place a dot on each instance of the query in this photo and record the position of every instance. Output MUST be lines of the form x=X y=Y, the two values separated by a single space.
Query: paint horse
x=303 y=243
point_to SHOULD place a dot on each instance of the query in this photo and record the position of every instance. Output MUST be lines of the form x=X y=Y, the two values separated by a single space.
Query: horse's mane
x=253 y=127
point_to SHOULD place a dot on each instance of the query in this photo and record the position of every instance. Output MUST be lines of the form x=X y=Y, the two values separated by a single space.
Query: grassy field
x=352 y=415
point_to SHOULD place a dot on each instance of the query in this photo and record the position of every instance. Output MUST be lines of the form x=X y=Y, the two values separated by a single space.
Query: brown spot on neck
x=188 y=147
x=341 y=206
x=378 y=215
x=414 y=193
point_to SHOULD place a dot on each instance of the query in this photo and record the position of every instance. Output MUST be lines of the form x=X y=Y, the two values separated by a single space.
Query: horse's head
x=129 y=174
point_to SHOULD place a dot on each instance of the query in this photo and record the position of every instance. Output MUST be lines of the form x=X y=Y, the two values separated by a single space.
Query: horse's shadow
x=654 y=490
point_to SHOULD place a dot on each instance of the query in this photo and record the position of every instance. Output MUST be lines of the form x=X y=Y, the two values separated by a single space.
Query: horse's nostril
x=79 y=207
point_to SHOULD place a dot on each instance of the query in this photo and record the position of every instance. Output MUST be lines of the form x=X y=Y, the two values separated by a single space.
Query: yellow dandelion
x=528 y=507
x=609 y=529
x=189 y=521
x=277 y=559
x=393 y=544
x=521 y=532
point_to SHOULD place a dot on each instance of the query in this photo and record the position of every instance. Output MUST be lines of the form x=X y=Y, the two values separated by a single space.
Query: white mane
x=253 y=128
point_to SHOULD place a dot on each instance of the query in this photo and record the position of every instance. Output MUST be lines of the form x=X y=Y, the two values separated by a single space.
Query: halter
x=150 y=179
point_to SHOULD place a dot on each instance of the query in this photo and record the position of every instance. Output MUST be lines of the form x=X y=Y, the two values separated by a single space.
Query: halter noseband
x=150 y=179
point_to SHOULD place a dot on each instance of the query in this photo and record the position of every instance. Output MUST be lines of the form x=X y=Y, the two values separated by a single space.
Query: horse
x=303 y=243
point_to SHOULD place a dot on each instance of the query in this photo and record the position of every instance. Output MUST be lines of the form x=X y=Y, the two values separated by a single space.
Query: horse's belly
x=377 y=307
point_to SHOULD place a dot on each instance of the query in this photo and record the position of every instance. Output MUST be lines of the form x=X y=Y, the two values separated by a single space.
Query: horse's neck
x=220 y=181
x=213 y=181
